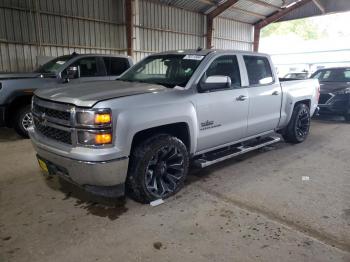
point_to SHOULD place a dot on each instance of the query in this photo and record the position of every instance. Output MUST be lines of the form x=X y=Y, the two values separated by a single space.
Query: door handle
x=275 y=93
x=241 y=98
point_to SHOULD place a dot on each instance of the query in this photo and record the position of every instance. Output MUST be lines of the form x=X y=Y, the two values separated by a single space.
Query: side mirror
x=71 y=73
x=215 y=82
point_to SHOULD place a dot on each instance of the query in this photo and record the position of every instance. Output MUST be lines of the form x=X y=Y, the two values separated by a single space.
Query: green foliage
x=301 y=27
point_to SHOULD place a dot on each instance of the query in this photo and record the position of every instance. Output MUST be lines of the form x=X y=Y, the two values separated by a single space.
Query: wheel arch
x=16 y=104
x=180 y=130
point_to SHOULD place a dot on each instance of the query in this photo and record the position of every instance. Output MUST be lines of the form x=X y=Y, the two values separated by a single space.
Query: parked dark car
x=335 y=91
x=16 y=89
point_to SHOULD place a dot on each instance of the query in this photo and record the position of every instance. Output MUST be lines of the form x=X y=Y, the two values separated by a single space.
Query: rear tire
x=158 y=168
x=299 y=125
x=23 y=119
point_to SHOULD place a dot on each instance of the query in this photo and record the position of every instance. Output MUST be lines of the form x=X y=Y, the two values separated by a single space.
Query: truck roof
x=108 y=55
x=205 y=52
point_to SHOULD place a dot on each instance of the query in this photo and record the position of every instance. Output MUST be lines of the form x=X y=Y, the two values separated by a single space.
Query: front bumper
x=89 y=174
x=336 y=104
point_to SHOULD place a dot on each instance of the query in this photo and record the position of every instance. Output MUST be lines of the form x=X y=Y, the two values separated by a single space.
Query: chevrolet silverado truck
x=138 y=134
x=335 y=91
x=16 y=89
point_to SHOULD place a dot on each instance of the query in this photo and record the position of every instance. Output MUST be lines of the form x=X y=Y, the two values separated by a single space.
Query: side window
x=118 y=66
x=89 y=67
x=259 y=70
x=226 y=66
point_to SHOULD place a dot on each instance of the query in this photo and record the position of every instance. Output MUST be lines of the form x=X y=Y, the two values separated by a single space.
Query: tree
x=301 y=27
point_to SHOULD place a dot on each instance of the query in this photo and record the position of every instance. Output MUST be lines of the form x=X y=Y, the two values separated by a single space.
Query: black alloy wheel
x=164 y=171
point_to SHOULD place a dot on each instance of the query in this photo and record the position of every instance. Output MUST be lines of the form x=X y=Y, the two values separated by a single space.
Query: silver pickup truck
x=16 y=89
x=141 y=132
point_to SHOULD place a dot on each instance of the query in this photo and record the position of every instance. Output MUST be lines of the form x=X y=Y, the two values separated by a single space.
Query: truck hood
x=329 y=87
x=90 y=93
x=7 y=76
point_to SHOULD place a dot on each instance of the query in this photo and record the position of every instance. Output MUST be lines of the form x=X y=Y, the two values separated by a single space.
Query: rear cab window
x=258 y=70
x=116 y=65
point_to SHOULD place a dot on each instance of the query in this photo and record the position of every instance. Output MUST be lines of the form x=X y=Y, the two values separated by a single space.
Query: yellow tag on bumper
x=43 y=165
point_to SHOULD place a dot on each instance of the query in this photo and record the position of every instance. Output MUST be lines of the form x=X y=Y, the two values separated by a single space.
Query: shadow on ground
x=7 y=134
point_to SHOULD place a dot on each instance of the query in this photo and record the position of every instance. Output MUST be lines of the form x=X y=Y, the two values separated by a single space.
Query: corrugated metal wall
x=33 y=28
x=162 y=27
x=230 y=34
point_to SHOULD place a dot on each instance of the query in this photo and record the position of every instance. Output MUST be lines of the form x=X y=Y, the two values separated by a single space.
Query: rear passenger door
x=115 y=66
x=91 y=68
x=265 y=95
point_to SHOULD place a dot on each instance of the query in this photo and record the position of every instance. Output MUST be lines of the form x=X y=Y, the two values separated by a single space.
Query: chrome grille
x=52 y=132
x=63 y=115
x=53 y=120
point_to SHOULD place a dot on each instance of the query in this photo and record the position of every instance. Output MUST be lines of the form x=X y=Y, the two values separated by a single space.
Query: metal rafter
x=210 y=17
x=279 y=14
x=319 y=6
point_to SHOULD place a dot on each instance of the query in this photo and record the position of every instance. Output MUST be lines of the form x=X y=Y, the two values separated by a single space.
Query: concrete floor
x=253 y=208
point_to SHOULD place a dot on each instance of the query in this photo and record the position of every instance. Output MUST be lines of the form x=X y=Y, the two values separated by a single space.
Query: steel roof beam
x=319 y=6
x=279 y=14
x=210 y=17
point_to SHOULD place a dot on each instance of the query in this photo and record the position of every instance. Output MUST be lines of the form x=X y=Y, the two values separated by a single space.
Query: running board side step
x=217 y=156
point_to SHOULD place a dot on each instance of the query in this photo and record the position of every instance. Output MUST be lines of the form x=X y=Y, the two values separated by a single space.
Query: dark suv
x=335 y=91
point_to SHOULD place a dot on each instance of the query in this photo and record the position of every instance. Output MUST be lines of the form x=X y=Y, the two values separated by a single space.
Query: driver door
x=91 y=68
x=222 y=113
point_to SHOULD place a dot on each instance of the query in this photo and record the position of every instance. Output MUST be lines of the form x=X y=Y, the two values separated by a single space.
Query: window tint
x=167 y=70
x=333 y=75
x=88 y=67
x=116 y=65
x=226 y=66
x=258 y=69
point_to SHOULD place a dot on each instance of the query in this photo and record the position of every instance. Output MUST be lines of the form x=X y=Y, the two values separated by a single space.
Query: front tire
x=299 y=125
x=158 y=168
x=23 y=120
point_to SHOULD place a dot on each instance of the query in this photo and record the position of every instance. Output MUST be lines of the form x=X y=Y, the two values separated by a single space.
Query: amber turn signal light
x=101 y=139
x=102 y=118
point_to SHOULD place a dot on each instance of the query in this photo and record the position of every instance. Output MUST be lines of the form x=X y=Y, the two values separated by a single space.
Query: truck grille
x=52 y=120
x=63 y=115
x=324 y=98
x=53 y=133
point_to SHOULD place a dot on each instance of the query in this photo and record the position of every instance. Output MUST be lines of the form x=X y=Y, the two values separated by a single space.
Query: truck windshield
x=53 y=65
x=167 y=70
x=333 y=75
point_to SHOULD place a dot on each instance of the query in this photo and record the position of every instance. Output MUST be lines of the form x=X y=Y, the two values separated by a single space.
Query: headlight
x=94 y=138
x=343 y=92
x=101 y=117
